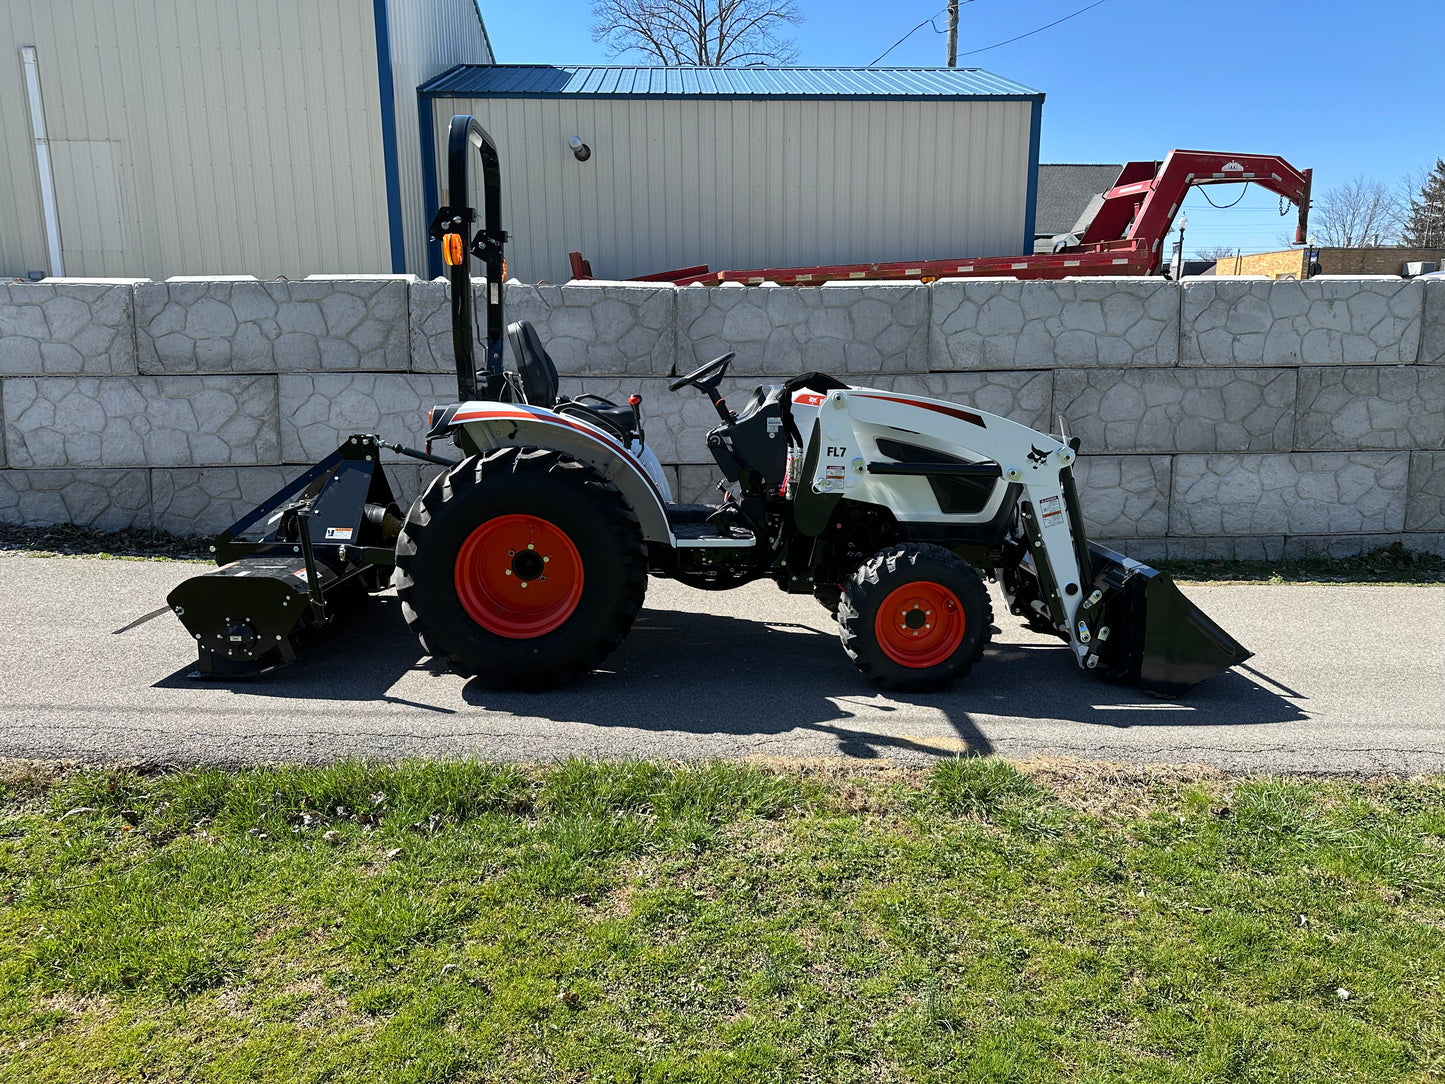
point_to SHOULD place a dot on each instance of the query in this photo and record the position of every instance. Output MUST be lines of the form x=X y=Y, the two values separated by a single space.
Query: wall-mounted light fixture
x=580 y=150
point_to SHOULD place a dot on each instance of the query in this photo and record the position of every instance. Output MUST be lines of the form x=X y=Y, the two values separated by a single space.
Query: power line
x=906 y=36
x=1029 y=34
x=920 y=26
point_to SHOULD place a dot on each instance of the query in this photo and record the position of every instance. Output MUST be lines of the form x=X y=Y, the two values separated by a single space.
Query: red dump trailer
x=1124 y=237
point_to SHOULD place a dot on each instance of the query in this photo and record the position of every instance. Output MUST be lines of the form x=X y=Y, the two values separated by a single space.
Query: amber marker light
x=452 y=249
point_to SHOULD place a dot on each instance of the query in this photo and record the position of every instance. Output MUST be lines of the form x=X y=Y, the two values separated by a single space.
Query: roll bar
x=487 y=246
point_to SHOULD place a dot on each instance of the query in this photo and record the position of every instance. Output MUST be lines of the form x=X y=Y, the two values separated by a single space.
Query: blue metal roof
x=549 y=81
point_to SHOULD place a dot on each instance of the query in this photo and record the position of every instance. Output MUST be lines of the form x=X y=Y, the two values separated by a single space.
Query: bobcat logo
x=1037 y=458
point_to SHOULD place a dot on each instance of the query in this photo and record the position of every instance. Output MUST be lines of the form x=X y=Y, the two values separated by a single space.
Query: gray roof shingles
x=1065 y=191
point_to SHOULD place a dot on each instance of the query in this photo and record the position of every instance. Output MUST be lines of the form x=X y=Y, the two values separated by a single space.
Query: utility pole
x=953 y=33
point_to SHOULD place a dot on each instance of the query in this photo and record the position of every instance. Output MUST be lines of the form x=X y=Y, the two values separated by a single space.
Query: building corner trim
x=430 y=195
x=388 y=136
x=1031 y=201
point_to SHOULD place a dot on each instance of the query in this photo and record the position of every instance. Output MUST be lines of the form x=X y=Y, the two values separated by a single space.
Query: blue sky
x=1343 y=88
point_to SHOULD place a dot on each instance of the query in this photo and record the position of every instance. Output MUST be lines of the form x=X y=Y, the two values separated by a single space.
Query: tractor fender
x=487 y=426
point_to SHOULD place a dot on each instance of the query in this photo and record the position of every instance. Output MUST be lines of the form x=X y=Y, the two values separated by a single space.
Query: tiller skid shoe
x=329 y=533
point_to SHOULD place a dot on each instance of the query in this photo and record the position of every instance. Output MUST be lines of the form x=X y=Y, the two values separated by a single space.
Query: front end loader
x=527 y=558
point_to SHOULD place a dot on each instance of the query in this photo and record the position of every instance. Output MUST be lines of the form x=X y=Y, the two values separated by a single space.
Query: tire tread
x=854 y=635
x=558 y=469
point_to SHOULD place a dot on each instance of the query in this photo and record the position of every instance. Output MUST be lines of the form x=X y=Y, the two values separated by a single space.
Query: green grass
x=636 y=922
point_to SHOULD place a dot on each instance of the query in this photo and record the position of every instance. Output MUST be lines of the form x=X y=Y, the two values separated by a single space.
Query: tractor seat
x=534 y=365
x=538 y=375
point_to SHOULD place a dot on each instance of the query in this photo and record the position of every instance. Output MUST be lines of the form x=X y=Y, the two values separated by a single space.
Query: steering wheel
x=709 y=374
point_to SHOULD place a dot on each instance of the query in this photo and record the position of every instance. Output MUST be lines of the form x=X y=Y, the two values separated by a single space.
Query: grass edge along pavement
x=980 y=920
x=73 y=540
x=1392 y=564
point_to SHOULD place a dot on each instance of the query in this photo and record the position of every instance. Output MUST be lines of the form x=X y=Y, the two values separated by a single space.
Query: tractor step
x=704 y=535
x=691 y=527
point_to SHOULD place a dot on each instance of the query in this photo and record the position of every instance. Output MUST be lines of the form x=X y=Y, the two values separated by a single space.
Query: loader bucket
x=1157 y=637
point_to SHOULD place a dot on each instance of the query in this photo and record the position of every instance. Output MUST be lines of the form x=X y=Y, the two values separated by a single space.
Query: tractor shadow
x=754 y=679
x=680 y=671
x=362 y=657
x=709 y=674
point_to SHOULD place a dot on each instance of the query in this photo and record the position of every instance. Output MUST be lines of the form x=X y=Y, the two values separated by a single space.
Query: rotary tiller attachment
x=285 y=565
x=1146 y=632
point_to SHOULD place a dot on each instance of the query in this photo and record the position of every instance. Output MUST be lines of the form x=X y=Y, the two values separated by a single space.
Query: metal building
x=165 y=137
x=749 y=167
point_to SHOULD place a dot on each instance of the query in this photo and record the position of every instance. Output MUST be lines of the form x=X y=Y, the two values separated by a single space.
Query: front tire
x=524 y=567
x=915 y=617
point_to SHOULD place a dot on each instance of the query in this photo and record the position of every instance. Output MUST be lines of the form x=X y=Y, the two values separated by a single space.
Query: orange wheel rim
x=519 y=576
x=920 y=624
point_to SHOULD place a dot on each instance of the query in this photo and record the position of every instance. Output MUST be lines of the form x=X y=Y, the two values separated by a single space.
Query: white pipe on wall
x=42 y=160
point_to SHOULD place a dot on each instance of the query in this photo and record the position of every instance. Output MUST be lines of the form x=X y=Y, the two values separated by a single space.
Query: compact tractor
x=526 y=560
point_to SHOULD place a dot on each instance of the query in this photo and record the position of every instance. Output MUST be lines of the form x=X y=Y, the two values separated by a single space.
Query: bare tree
x=1214 y=252
x=1359 y=214
x=711 y=33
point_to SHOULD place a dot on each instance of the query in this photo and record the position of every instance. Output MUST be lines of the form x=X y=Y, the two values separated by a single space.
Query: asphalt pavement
x=1347 y=678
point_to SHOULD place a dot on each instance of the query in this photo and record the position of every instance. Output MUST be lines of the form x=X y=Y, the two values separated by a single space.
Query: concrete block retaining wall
x=352 y=325
x=1221 y=417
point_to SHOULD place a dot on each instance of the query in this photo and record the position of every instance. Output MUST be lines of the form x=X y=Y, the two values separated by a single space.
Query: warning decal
x=1050 y=509
x=339 y=534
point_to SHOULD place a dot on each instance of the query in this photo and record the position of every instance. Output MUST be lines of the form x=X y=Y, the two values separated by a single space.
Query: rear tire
x=515 y=516
x=915 y=617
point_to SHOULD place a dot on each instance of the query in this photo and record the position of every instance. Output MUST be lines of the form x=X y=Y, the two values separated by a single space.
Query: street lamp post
x=1176 y=269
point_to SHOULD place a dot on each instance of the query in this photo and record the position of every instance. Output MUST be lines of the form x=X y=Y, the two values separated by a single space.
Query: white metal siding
x=740 y=183
x=246 y=135
x=427 y=38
